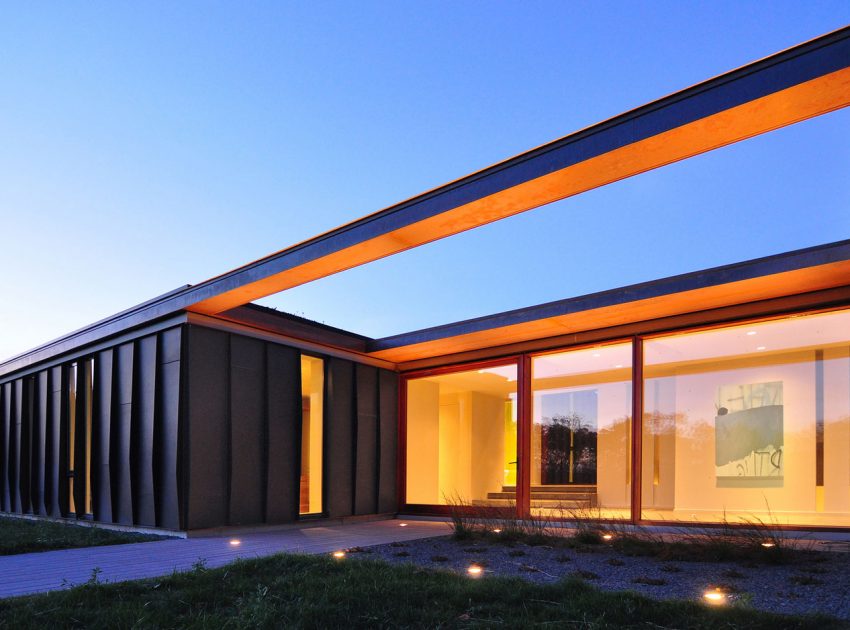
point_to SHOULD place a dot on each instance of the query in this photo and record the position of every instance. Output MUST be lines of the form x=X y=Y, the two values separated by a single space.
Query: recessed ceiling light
x=751 y=333
x=596 y=354
x=619 y=365
x=760 y=348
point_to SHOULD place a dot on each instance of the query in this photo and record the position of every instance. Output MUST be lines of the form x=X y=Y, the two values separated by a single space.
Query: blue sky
x=149 y=145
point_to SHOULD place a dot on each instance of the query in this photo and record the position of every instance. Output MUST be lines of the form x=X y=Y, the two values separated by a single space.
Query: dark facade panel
x=80 y=437
x=25 y=452
x=207 y=436
x=388 y=440
x=166 y=431
x=5 y=425
x=39 y=443
x=62 y=445
x=101 y=425
x=339 y=438
x=119 y=434
x=141 y=440
x=366 y=469
x=15 y=446
x=247 y=430
x=283 y=385
x=52 y=441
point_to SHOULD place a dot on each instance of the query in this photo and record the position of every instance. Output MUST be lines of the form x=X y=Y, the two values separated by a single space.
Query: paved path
x=51 y=570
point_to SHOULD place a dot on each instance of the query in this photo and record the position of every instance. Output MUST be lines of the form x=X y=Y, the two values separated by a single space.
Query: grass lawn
x=24 y=536
x=320 y=592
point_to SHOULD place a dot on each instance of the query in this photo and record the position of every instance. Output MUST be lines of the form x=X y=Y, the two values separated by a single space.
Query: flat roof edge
x=725 y=274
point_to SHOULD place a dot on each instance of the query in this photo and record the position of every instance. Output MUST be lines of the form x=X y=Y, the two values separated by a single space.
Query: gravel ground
x=819 y=582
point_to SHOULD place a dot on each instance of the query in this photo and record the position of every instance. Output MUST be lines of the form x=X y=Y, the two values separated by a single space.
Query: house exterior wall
x=191 y=428
x=242 y=433
x=114 y=412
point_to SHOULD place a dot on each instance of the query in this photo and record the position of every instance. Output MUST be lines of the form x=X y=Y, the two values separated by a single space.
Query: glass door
x=580 y=462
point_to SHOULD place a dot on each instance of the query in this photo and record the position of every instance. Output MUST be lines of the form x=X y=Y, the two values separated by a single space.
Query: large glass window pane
x=461 y=437
x=312 y=422
x=580 y=438
x=749 y=422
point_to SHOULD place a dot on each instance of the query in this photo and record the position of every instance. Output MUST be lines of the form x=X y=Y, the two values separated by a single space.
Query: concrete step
x=552 y=496
x=536 y=503
x=560 y=488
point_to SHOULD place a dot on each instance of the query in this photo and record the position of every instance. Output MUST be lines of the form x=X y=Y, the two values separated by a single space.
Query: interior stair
x=571 y=497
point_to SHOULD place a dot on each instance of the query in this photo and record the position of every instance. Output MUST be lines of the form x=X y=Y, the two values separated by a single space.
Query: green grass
x=25 y=536
x=319 y=592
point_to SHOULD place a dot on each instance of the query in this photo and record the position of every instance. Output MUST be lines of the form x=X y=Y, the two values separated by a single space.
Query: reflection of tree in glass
x=568 y=450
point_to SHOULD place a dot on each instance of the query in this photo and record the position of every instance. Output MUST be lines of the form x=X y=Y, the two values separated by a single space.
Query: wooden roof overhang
x=821 y=272
x=807 y=80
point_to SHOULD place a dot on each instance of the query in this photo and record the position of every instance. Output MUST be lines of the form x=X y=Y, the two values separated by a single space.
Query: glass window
x=749 y=422
x=581 y=432
x=312 y=422
x=462 y=437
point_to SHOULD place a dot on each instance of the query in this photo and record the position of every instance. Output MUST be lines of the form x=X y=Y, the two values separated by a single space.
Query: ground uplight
x=338 y=554
x=715 y=597
x=235 y=542
x=475 y=570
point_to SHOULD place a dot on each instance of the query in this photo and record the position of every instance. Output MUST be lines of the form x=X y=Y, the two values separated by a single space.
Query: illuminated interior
x=745 y=423
x=462 y=437
x=749 y=422
x=581 y=432
x=312 y=388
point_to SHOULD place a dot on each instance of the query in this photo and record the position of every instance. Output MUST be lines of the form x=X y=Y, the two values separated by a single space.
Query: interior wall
x=458 y=446
x=679 y=451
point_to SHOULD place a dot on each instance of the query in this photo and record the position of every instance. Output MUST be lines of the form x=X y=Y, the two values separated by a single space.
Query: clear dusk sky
x=150 y=145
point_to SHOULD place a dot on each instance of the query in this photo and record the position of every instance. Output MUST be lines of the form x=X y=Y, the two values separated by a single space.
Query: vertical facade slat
x=141 y=435
x=101 y=418
x=79 y=445
x=25 y=448
x=207 y=432
x=283 y=385
x=339 y=437
x=39 y=444
x=51 y=442
x=63 y=434
x=166 y=430
x=119 y=452
x=366 y=467
x=388 y=441
x=247 y=430
x=5 y=421
x=15 y=446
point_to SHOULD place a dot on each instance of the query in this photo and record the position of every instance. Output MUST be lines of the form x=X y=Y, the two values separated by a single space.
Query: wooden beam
x=806 y=81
